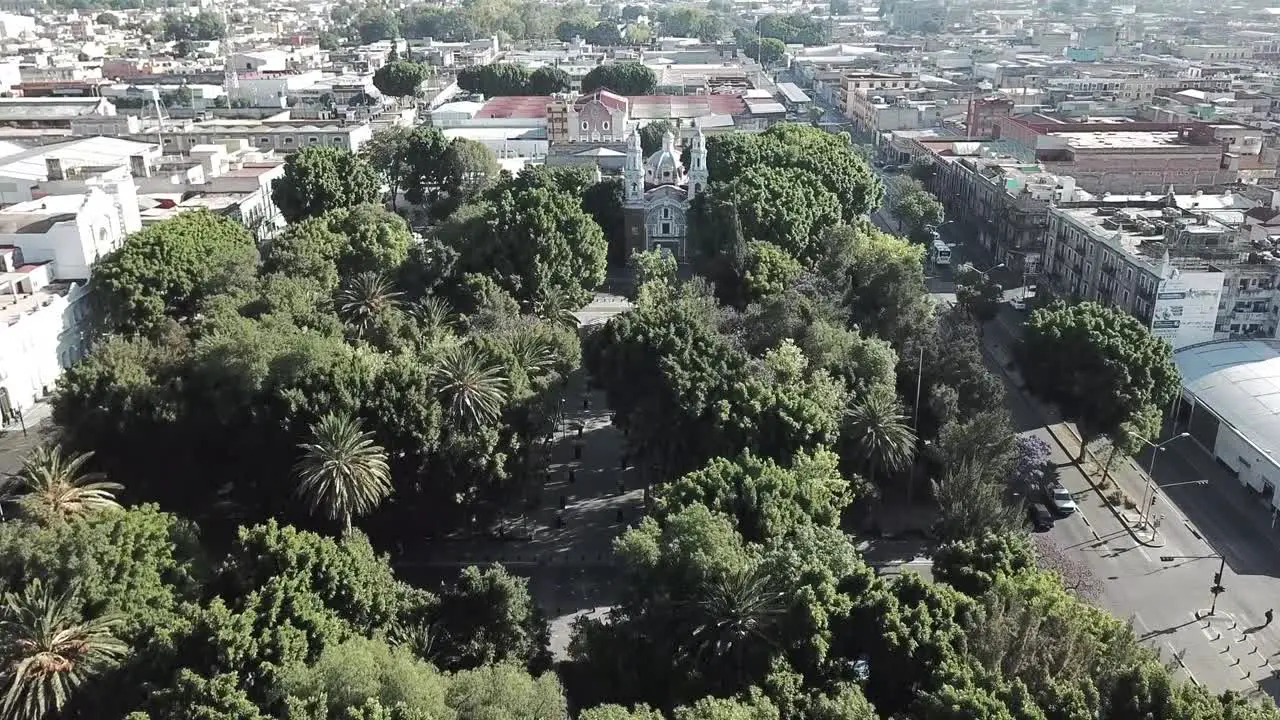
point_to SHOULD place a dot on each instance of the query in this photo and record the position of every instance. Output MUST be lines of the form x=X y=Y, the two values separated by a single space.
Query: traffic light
x=1217 y=578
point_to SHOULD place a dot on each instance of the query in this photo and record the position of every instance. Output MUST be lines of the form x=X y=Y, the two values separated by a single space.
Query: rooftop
x=1120 y=139
x=14 y=305
x=1240 y=382
x=530 y=107
x=90 y=151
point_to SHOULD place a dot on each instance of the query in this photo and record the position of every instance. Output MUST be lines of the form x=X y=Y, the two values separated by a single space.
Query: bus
x=941 y=252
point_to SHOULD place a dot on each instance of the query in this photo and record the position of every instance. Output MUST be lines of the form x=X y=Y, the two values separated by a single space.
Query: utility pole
x=1217 y=588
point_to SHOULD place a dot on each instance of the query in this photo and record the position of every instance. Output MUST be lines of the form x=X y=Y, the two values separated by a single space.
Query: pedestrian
x=1267 y=615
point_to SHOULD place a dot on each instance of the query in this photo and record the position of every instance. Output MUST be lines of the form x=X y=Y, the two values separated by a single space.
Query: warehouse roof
x=1239 y=380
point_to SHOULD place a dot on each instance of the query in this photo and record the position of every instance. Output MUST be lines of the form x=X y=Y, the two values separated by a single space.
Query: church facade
x=657 y=192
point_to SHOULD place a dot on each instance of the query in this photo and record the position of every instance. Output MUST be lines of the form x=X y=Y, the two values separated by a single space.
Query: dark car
x=1040 y=517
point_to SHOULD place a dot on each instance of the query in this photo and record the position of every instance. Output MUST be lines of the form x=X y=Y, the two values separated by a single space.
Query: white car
x=1061 y=501
x=1018 y=304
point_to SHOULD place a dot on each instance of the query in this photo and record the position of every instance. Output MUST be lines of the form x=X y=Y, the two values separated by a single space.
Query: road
x=1166 y=600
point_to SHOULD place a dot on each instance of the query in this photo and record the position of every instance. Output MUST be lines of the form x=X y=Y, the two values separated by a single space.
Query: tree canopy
x=1103 y=368
x=319 y=179
x=623 y=78
x=401 y=78
x=166 y=270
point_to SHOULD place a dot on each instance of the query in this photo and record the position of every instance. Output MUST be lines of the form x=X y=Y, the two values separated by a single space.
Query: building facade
x=657 y=193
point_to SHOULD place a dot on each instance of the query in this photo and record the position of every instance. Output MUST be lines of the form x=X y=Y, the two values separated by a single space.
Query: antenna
x=230 y=78
x=160 y=116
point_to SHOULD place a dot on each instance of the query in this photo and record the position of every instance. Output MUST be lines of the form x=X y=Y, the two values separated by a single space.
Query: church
x=657 y=191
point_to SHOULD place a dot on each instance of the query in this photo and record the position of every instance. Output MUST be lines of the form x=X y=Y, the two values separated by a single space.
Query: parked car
x=1040 y=517
x=1018 y=304
x=1061 y=500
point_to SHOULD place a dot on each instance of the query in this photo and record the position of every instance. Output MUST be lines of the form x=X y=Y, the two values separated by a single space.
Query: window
x=313 y=140
x=264 y=141
x=604 y=125
x=585 y=125
x=337 y=140
x=666 y=213
x=288 y=141
x=666 y=228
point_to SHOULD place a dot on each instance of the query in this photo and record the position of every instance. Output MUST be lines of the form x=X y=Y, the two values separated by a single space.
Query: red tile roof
x=517 y=106
x=607 y=98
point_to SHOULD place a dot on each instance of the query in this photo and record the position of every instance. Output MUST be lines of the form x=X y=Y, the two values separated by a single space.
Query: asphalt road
x=1166 y=600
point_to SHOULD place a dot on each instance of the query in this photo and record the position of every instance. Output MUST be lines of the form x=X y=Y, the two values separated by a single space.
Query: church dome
x=664 y=167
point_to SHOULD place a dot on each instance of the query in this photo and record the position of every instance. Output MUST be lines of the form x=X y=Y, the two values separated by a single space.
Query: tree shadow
x=1167 y=631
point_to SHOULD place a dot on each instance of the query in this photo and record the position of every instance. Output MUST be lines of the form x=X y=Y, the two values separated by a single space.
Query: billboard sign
x=1186 y=308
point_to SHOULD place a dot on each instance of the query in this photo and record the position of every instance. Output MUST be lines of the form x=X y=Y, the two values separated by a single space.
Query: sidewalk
x=1129 y=481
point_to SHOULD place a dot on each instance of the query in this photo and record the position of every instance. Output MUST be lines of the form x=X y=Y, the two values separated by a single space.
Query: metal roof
x=1239 y=380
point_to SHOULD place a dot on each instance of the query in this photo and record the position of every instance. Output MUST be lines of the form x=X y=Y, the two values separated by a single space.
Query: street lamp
x=1217 y=588
x=1151 y=468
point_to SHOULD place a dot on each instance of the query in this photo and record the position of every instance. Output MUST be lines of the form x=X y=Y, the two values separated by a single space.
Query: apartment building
x=181 y=136
x=859 y=83
x=1178 y=263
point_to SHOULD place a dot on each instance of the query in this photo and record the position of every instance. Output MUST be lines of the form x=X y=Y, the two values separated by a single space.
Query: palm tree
x=880 y=433
x=556 y=307
x=54 y=486
x=736 y=619
x=49 y=650
x=434 y=316
x=364 y=298
x=474 y=388
x=342 y=473
x=532 y=352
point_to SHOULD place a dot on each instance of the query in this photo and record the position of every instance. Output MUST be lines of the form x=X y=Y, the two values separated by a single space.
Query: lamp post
x=1217 y=588
x=1151 y=468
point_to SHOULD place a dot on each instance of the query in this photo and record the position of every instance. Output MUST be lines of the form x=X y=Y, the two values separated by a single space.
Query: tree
x=468 y=167
x=1101 y=366
x=652 y=134
x=388 y=152
x=365 y=299
x=548 y=80
x=473 y=389
x=488 y=616
x=922 y=169
x=767 y=51
x=768 y=271
x=915 y=207
x=631 y=13
x=568 y=30
x=878 y=434
x=829 y=158
x=110 y=20
x=401 y=78
x=532 y=237
x=496 y=79
x=766 y=500
x=972 y=501
x=342 y=473
x=839 y=7
x=319 y=179
x=973 y=565
x=48 y=650
x=54 y=488
x=166 y=270
x=624 y=78
x=978 y=294
x=377 y=23
x=604 y=34
x=203 y=27
x=787 y=207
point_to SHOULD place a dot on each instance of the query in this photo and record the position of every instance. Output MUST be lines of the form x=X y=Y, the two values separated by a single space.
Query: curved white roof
x=1240 y=381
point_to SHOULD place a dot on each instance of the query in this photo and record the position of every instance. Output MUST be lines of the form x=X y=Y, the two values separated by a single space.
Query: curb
x=1035 y=404
x=1114 y=511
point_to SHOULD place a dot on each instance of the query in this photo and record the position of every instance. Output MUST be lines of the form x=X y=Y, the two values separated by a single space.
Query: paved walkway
x=588 y=497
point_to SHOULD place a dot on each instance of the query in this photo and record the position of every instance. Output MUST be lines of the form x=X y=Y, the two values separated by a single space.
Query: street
x=1166 y=600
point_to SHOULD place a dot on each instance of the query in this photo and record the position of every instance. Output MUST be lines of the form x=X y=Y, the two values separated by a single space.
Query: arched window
x=697 y=187
x=666 y=213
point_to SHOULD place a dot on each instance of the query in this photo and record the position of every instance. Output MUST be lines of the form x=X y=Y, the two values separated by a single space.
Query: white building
x=13 y=26
x=506 y=143
x=1228 y=405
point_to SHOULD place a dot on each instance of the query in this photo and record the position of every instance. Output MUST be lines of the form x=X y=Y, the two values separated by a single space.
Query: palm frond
x=55 y=487
x=474 y=389
x=532 y=352
x=342 y=473
x=879 y=431
x=364 y=297
x=49 y=650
